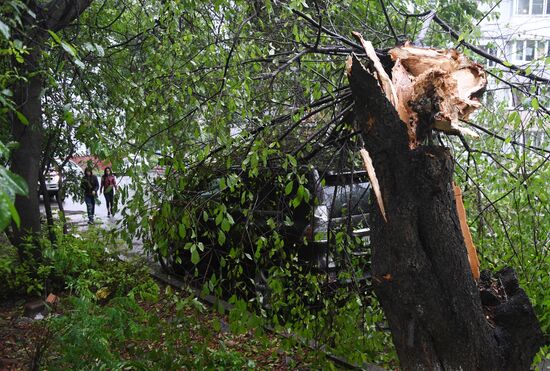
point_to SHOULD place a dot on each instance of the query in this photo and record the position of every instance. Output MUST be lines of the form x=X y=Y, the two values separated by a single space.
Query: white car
x=53 y=178
x=52 y=183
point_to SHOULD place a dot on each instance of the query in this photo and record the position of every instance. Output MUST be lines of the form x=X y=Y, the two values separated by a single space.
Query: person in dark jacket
x=108 y=186
x=90 y=185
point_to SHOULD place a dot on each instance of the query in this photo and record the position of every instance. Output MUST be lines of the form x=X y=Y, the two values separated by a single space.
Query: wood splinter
x=367 y=162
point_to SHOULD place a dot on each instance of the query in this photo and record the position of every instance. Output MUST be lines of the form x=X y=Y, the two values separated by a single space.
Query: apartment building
x=518 y=32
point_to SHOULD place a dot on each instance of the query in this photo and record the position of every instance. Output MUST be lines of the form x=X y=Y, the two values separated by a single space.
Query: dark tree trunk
x=420 y=267
x=25 y=160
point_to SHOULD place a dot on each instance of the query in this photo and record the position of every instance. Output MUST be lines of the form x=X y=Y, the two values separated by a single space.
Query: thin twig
x=389 y=22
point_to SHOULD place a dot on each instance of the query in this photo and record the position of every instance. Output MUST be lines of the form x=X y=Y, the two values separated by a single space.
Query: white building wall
x=520 y=35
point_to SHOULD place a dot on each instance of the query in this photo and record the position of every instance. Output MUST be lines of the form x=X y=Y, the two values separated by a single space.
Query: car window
x=350 y=199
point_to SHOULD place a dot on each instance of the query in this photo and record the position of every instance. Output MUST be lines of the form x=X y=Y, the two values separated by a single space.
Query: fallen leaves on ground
x=20 y=338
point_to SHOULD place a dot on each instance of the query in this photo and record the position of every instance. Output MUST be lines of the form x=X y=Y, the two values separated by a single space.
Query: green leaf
x=4 y=150
x=219 y=218
x=54 y=36
x=22 y=118
x=5 y=30
x=226 y=225
x=68 y=48
x=182 y=231
x=195 y=257
x=14 y=214
x=13 y=182
x=292 y=160
x=5 y=215
x=221 y=237
x=535 y=103
x=288 y=188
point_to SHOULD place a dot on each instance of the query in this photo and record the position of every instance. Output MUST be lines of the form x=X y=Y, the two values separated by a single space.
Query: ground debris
x=21 y=338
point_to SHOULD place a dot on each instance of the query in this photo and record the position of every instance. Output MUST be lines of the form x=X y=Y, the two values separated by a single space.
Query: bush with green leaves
x=84 y=262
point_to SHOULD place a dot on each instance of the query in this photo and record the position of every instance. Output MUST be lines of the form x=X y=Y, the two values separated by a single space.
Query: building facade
x=518 y=32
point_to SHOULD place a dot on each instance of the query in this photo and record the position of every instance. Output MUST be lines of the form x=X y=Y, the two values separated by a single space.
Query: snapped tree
x=420 y=267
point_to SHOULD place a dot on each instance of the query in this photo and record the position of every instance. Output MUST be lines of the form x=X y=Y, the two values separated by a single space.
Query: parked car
x=333 y=205
x=54 y=179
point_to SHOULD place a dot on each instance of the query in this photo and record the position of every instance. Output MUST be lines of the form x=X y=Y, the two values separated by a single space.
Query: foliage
x=85 y=263
x=507 y=198
x=504 y=177
x=113 y=337
x=10 y=47
x=171 y=331
x=11 y=185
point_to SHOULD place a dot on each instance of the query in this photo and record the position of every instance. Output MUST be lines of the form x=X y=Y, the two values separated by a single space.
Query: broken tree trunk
x=420 y=266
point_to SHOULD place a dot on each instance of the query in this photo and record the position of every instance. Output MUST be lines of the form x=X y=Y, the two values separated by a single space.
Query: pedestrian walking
x=89 y=186
x=108 y=186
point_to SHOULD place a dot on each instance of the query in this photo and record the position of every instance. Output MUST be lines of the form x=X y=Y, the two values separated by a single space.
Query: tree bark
x=420 y=267
x=25 y=160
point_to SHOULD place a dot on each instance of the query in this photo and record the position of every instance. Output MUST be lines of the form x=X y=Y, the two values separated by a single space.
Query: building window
x=528 y=50
x=532 y=7
x=490 y=50
x=537 y=6
x=523 y=7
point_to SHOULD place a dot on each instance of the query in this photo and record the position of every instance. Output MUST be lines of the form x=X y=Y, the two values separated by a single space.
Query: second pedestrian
x=108 y=186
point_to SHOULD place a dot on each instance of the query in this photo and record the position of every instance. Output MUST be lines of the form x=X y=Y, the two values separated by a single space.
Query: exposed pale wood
x=383 y=78
x=367 y=161
x=472 y=252
x=403 y=84
x=449 y=81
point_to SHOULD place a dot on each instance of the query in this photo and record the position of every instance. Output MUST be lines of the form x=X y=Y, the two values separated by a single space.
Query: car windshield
x=349 y=199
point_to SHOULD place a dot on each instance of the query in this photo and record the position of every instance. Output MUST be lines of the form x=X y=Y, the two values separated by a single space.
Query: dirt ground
x=17 y=336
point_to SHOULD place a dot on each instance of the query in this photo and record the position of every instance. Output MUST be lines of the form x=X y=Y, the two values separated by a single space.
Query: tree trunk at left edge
x=25 y=160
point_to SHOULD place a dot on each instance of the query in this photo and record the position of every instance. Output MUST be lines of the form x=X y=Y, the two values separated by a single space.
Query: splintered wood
x=367 y=162
x=446 y=78
x=441 y=81
x=381 y=74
